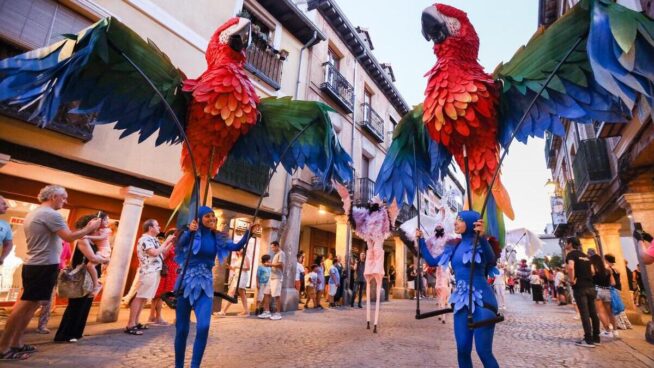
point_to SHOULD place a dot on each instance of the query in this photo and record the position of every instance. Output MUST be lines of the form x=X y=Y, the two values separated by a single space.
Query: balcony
x=439 y=190
x=239 y=174
x=591 y=169
x=372 y=122
x=265 y=62
x=454 y=205
x=606 y=130
x=364 y=190
x=338 y=88
x=575 y=210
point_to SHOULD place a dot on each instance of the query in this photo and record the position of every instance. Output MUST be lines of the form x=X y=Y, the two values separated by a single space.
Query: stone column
x=116 y=274
x=588 y=243
x=341 y=236
x=610 y=236
x=399 y=290
x=641 y=208
x=290 y=244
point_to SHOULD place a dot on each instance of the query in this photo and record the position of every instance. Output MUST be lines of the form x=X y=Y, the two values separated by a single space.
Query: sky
x=502 y=26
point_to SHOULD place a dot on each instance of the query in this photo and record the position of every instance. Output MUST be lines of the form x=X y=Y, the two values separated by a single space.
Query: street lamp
x=550 y=185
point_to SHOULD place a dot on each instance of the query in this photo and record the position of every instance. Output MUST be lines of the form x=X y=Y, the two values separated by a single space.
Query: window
x=367 y=98
x=365 y=167
x=333 y=59
x=263 y=60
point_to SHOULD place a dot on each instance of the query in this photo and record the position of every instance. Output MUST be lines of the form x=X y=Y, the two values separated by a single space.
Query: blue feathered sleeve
x=181 y=247
x=489 y=256
x=441 y=259
x=225 y=245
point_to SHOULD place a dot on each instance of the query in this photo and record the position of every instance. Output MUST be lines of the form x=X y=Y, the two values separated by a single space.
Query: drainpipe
x=287 y=188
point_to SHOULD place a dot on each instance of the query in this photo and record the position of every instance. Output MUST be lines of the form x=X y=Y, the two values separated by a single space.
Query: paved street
x=532 y=336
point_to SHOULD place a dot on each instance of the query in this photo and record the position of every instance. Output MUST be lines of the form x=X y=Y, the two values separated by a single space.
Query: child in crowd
x=311 y=285
x=510 y=281
x=101 y=240
x=262 y=302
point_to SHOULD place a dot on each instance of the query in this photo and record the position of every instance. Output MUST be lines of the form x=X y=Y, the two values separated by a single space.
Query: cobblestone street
x=532 y=336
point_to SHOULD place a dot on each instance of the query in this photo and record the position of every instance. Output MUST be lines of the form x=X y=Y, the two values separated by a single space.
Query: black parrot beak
x=433 y=25
x=240 y=39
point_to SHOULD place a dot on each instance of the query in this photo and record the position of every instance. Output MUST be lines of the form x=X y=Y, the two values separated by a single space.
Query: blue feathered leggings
x=202 y=310
x=483 y=338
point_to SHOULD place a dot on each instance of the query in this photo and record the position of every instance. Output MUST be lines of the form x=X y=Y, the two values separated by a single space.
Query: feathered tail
x=499 y=205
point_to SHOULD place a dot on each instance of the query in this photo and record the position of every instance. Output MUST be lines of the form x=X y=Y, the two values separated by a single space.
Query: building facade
x=297 y=52
x=604 y=176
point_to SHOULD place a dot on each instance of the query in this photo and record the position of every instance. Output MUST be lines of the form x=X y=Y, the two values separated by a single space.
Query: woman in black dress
x=73 y=322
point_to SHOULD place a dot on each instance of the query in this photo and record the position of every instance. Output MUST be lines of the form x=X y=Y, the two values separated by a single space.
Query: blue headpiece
x=469 y=217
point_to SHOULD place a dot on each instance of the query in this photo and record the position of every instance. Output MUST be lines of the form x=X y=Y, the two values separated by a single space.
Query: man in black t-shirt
x=581 y=279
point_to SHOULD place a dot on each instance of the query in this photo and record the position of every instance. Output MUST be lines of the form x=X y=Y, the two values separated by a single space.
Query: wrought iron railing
x=591 y=168
x=364 y=190
x=242 y=175
x=372 y=122
x=439 y=189
x=571 y=205
x=265 y=62
x=338 y=88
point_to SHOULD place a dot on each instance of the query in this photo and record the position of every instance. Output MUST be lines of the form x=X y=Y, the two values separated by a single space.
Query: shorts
x=39 y=281
x=603 y=294
x=332 y=289
x=264 y=289
x=147 y=285
x=431 y=284
x=275 y=287
x=311 y=292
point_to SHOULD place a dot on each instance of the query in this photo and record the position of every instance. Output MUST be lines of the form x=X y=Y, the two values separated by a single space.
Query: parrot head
x=450 y=30
x=229 y=40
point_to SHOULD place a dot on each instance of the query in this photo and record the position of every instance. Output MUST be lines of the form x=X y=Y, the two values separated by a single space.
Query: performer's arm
x=424 y=251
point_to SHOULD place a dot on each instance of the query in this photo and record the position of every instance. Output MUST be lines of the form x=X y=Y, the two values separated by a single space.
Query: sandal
x=26 y=348
x=14 y=355
x=133 y=331
x=140 y=326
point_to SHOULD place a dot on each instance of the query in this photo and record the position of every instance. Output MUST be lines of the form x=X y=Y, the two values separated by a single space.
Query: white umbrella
x=525 y=238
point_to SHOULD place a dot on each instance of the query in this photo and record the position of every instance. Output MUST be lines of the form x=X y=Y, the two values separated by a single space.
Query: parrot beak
x=433 y=25
x=240 y=39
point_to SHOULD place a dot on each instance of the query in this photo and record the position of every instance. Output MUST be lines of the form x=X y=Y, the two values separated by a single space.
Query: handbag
x=74 y=282
x=617 y=305
x=164 y=268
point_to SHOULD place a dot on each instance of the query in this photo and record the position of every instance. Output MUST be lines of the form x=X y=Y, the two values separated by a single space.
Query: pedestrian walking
x=166 y=283
x=73 y=322
x=44 y=230
x=311 y=282
x=500 y=286
x=360 y=280
x=262 y=301
x=276 y=279
x=6 y=236
x=536 y=285
x=238 y=285
x=510 y=281
x=581 y=279
x=149 y=252
x=603 y=280
x=523 y=273
x=621 y=320
x=320 y=280
x=334 y=282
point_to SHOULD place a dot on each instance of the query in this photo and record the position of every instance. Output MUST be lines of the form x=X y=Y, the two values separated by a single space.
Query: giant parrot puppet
x=593 y=64
x=108 y=70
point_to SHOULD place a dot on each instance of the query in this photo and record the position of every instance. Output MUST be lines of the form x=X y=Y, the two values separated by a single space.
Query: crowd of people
x=588 y=281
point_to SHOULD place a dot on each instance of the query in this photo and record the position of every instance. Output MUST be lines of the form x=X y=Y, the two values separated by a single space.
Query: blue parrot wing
x=413 y=162
x=318 y=147
x=89 y=71
x=599 y=81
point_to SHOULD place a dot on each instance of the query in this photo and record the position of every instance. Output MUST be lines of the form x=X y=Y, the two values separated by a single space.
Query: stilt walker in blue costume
x=197 y=281
x=458 y=253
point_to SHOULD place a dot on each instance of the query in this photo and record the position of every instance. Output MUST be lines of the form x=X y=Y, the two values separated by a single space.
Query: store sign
x=16 y=221
x=558 y=213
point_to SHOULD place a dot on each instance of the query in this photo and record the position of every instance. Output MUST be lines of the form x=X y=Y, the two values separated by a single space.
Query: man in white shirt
x=276 y=278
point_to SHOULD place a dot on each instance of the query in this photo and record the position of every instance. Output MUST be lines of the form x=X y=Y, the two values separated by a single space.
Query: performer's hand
x=418 y=233
x=479 y=227
x=193 y=226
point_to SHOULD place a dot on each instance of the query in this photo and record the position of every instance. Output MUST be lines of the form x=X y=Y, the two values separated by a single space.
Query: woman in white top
x=536 y=287
x=242 y=284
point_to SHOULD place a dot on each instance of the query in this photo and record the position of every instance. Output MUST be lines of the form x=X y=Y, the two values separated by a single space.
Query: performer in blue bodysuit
x=484 y=306
x=198 y=281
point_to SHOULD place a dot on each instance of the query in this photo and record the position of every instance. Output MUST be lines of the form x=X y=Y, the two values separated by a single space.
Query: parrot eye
x=453 y=25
